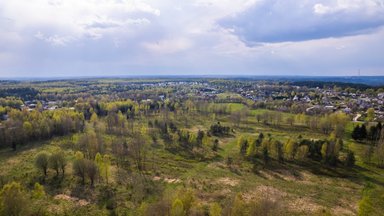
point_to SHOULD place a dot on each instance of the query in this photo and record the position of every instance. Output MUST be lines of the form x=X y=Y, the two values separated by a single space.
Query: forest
x=189 y=147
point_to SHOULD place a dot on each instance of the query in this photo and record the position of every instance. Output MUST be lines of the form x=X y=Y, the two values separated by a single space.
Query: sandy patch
x=342 y=211
x=172 y=180
x=228 y=181
x=265 y=192
x=345 y=207
x=217 y=165
x=168 y=180
x=80 y=202
x=303 y=205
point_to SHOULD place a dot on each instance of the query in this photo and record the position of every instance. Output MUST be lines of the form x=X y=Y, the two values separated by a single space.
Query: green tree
x=99 y=162
x=215 y=210
x=291 y=148
x=41 y=162
x=79 y=155
x=339 y=145
x=38 y=191
x=28 y=129
x=363 y=132
x=187 y=198
x=91 y=171
x=239 y=208
x=215 y=146
x=265 y=155
x=13 y=200
x=94 y=119
x=60 y=157
x=370 y=114
x=242 y=142
x=350 y=159
x=279 y=151
x=54 y=163
x=106 y=165
x=58 y=162
x=79 y=169
x=177 y=208
x=379 y=151
x=302 y=152
x=329 y=152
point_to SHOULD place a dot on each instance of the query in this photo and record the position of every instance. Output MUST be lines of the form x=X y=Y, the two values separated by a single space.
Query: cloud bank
x=158 y=37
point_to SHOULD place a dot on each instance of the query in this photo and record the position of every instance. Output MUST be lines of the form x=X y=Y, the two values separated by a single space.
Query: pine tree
x=363 y=132
x=265 y=155
x=243 y=145
x=356 y=135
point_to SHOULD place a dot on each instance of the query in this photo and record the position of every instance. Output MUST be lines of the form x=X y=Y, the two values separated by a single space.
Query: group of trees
x=23 y=126
x=184 y=203
x=13 y=200
x=99 y=168
x=219 y=130
x=182 y=139
x=374 y=138
x=84 y=168
x=328 y=123
x=327 y=151
x=11 y=102
x=21 y=92
x=361 y=133
x=55 y=161
x=17 y=200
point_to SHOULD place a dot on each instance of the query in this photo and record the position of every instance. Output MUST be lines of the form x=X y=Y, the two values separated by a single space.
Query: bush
x=13 y=200
x=177 y=208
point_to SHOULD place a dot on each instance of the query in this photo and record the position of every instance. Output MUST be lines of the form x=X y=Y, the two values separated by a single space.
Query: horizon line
x=23 y=78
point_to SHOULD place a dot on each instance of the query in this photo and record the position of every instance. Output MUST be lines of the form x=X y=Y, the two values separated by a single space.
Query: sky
x=60 y=38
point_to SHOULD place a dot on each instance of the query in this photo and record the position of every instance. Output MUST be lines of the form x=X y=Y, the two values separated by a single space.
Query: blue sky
x=47 y=38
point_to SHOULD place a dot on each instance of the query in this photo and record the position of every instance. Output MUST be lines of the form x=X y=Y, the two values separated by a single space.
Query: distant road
x=356 y=117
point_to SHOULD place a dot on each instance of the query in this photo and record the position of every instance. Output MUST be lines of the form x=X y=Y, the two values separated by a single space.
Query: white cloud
x=55 y=40
x=367 y=7
x=76 y=19
x=168 y=46
x=321 y=9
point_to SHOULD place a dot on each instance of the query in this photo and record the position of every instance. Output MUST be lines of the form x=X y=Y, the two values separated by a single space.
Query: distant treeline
x=322 y=84
x=23 y=93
